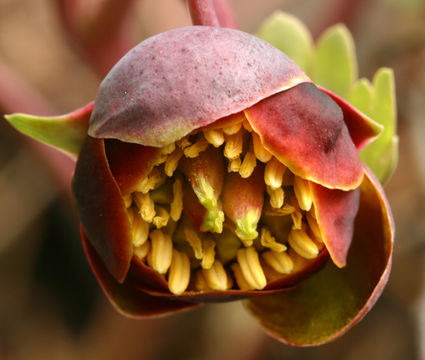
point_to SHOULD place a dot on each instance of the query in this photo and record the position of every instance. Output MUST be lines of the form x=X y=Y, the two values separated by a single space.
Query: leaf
x=66 y=132
x=361 y=96
x=291 y=36
x=335 y=64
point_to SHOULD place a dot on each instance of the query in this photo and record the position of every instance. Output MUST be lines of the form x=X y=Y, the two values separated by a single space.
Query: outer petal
x=326 y=305
x=187 y=78
x=126 y=297
x=305 y=130
x=101 y=209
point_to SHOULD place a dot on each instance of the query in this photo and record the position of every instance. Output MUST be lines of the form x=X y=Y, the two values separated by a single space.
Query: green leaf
x=382 y=155
x=65 y=132
x=361 y=95
x=335 y=64
x=291 y=36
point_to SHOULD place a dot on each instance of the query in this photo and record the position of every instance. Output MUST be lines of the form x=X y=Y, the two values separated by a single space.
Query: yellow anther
x=179 y=275
x=232 y=129
x=161 y=218
x=260 y=152
x=172 y=162
x=183 y=143
x=268 y=241
x=247 y=126
x=303 y=193
x=240 y=280
x=296 y=215
x=302 y=244
x=146 y=206
x=277 y=197
x=214 y=137
x=234 y=144
x=285 y=210
x=273 y=173
x=200 y=282
x=161 y=159
x=140 y=231
x=195 y=242
x=168 y=149
x=314 y=226
x=251 y=268
x=209 y=253
x=128 y=200
x=248 y=165
x=176 y=206
x=161 y=251
x=281 y=262
x=150 y=182
x=194 y=150
x=142 y=251
x=216 y=276
x=234 y=165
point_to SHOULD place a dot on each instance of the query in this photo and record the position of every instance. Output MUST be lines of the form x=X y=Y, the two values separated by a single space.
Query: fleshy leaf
x=304 y=128
x=325 y=306
x=101 y=209
x=361 y=96
x=186 y=78
x=65 y=132
x=382 y=155
x=287 y=33
x=335 y=64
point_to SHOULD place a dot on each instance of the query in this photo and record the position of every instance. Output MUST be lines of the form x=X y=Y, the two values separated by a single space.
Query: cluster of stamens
x=244 y=253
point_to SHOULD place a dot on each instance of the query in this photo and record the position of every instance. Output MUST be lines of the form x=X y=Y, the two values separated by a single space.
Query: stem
x=217 y=13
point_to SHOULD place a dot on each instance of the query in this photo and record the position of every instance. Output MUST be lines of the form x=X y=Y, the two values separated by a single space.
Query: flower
x=216 y=170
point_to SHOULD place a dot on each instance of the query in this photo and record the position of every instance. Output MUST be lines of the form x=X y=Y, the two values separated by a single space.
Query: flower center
x=218 y=211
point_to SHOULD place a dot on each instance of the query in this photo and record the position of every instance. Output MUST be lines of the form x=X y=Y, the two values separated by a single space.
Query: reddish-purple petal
x=363 y=130
x=305 y=130
x=127 y=297
x=329 y=303
x=335 y=213
x=101 y=209
x=183 y=79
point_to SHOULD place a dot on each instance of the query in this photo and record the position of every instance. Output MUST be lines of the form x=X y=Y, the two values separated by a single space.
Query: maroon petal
x=305 y=130
x=329 y=303
x=101 y=209
x=183 y=79
x=363 y=130
x=126 y=297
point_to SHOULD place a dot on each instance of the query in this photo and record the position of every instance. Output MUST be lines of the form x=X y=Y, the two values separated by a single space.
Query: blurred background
x=50 y=305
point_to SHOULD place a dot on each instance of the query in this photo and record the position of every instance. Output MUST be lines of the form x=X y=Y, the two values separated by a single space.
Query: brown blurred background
x=50 y=305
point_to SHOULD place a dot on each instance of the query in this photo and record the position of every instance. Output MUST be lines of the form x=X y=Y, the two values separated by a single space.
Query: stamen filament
x=172 y=162
x=273 y=173
x=179 y=274
x=251 y=268
x=302 y=244
x=195 y=242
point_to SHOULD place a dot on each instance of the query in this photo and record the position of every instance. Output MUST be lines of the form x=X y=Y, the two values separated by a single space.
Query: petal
x=126 y=297
x=101 y=209
x=335 y=213
x=363 y=129
x=325 y=306
x=305 y=130
x=186 y=78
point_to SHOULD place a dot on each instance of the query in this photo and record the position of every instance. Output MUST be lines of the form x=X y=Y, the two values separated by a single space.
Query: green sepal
x=65 y=132
x=287 y=33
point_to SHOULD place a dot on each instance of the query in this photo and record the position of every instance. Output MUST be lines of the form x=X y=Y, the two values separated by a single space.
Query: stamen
x=234 y=165
x=194 y=150
x=277 y=197
x=200 y=282
x=303 y=193
x=128 y=200
x=234 y=144
x=176 y=206
x=179 y=275
x=297 y=216
x=172 y=162
x=146 y=206
x=251 y=268
x=209 y=254
x=314 y=226
x=168 y=149
x=232 y=129
x=161 y=253
x=268 y=241
x=161 y=218
x=248 y=165
x=214 y=137
x=216 y=276
x=260 y=152
x=150 y=182
x=195 y=242
x=142 y=251
x=247 y=126
x=227 y=245
x=183 y=143
x=240 y=280
x=302 y=244
x=161 y=159
x=140 y=231
x=281 y=262
x=273 y=174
